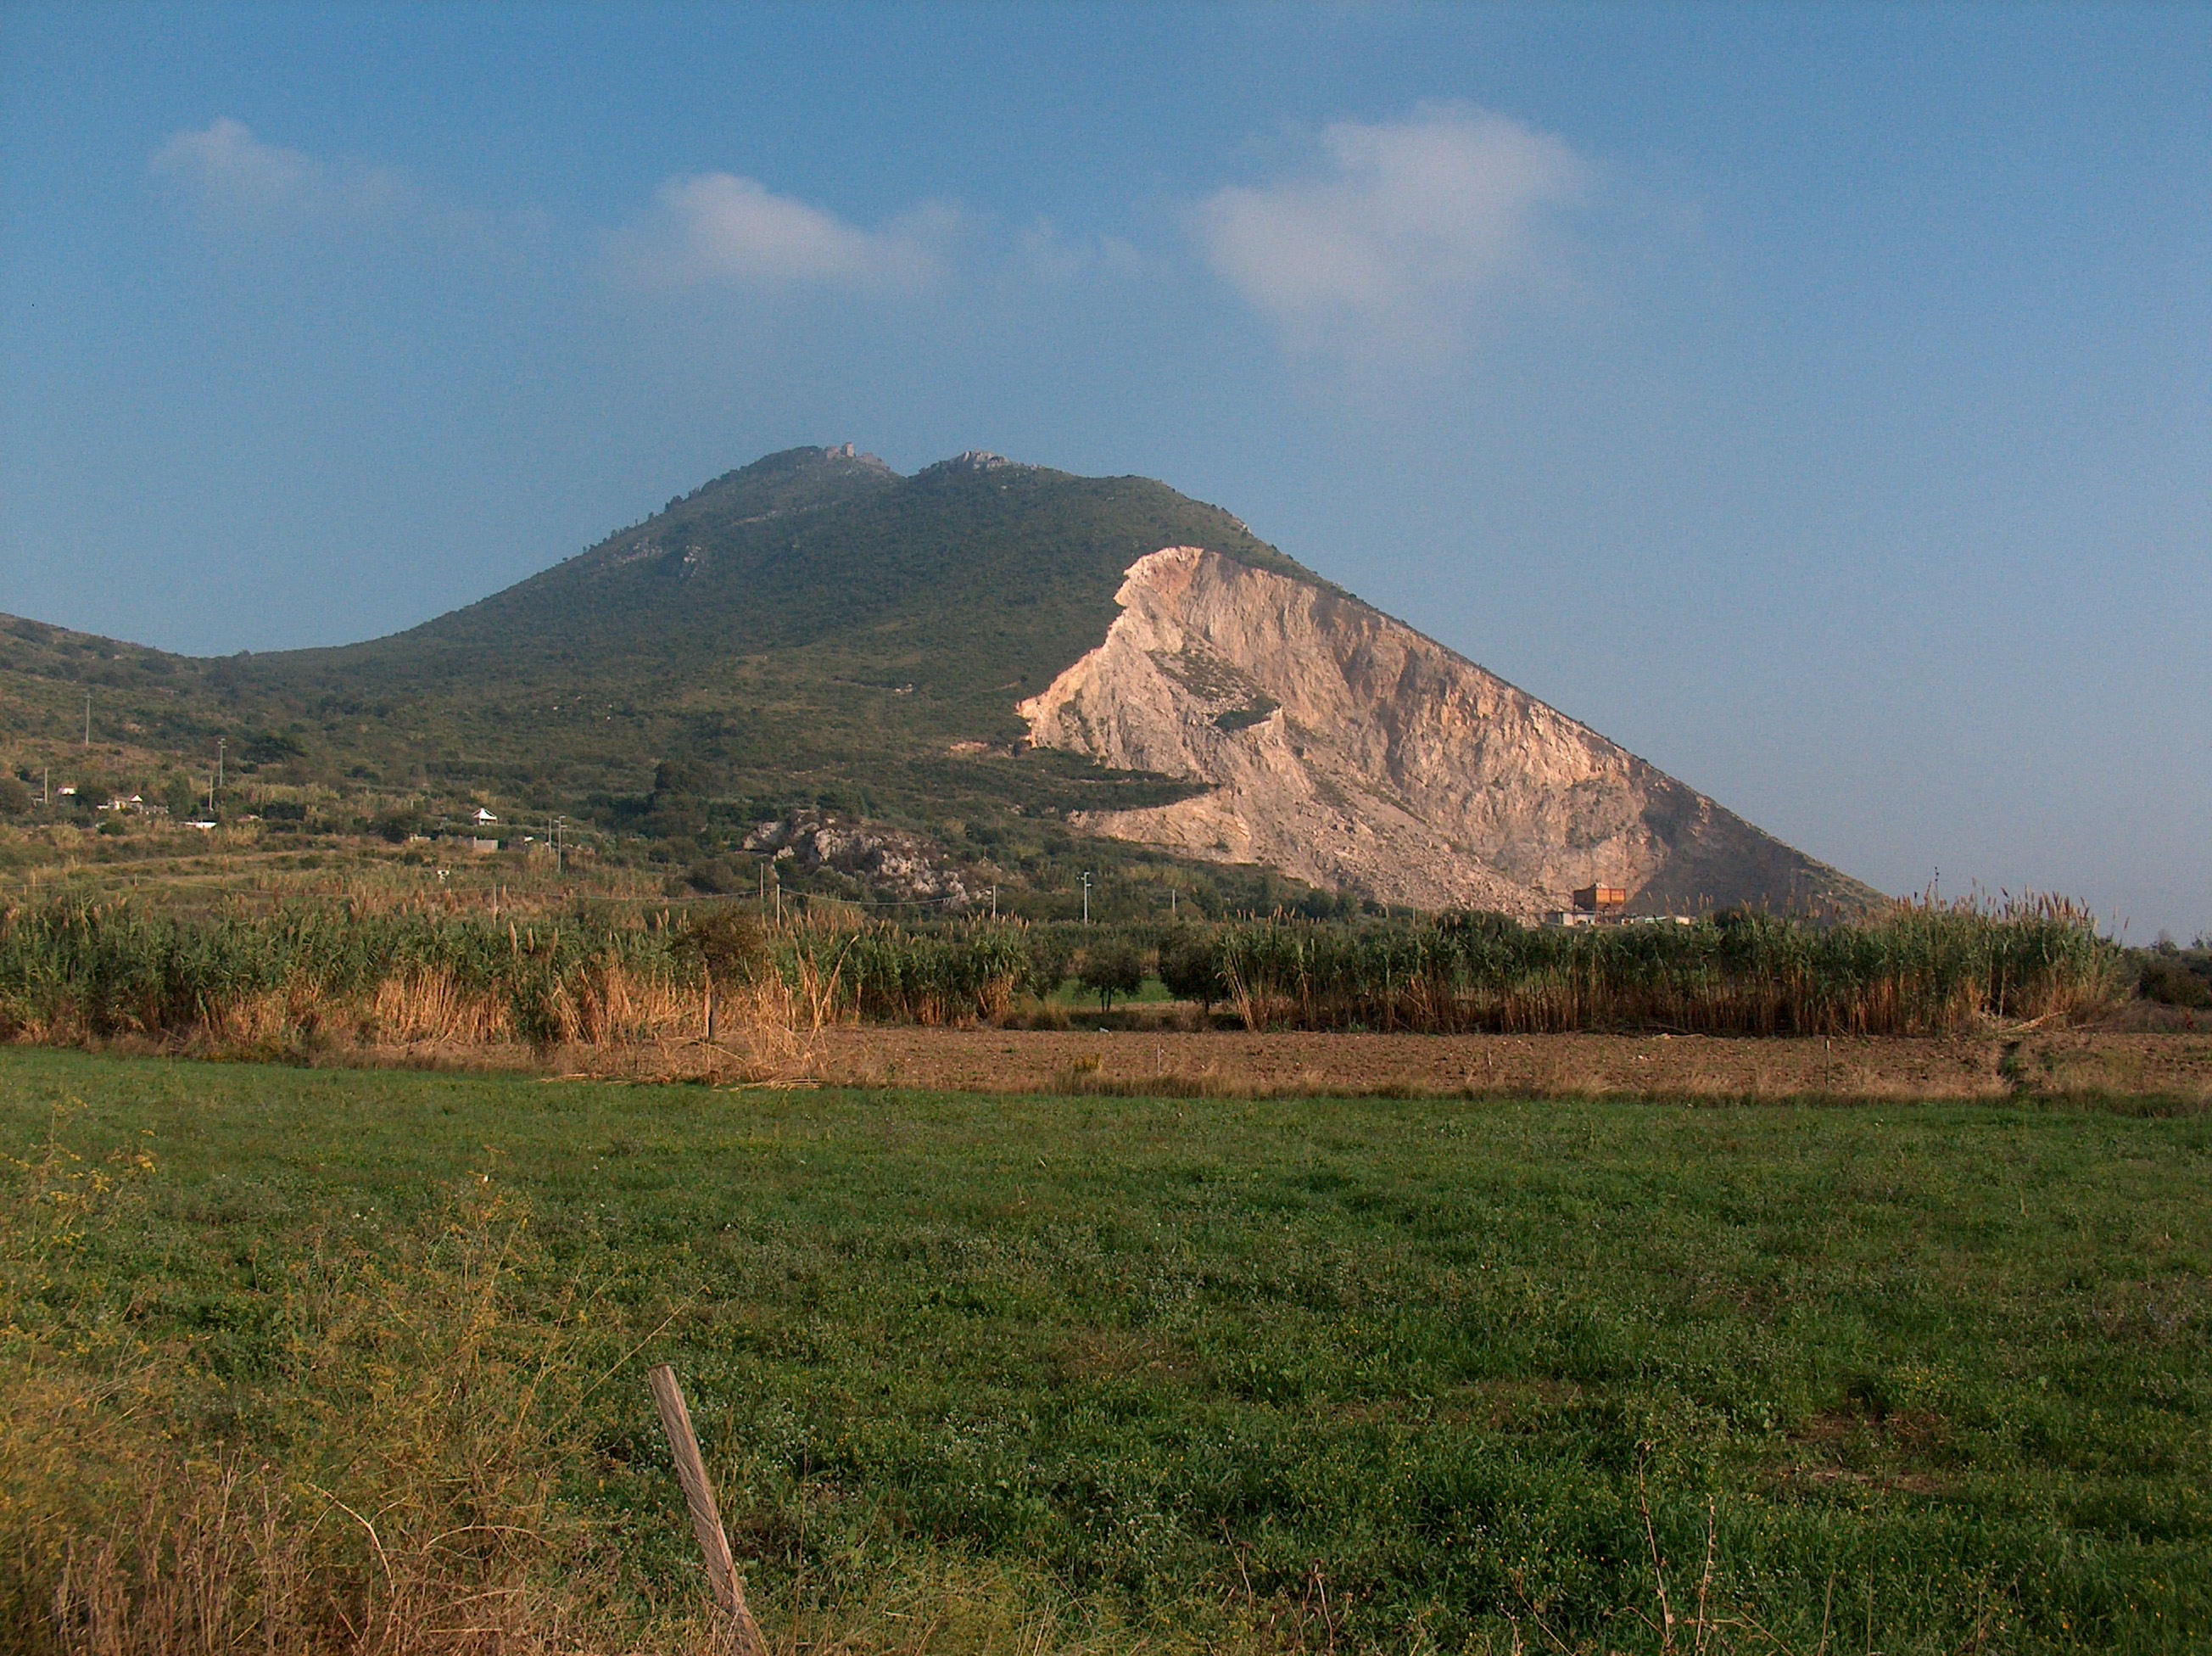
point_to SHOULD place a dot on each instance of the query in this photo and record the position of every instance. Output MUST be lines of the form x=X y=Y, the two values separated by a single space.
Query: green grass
x=1942 y=1375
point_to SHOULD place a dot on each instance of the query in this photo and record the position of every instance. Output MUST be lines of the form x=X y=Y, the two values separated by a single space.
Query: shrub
x=2172 y=984
x=719 y=876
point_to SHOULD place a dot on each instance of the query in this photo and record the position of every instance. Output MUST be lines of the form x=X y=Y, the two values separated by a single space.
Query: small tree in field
x=1188 y=968
x=1112 y=968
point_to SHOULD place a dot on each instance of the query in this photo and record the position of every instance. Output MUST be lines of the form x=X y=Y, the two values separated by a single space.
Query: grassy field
x=1023 y=1373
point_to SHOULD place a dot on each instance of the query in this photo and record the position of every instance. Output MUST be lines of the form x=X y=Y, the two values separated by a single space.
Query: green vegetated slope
x=810 y=624
x=1304 y=1375
x=152 y=701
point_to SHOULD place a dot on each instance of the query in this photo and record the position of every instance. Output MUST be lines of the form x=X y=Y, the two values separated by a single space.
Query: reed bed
x=1923 y=969
x=78 y=972
x=74 y=972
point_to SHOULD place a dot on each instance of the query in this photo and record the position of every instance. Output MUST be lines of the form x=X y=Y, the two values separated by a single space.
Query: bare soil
x=2175 y=1066
x=999 y=1061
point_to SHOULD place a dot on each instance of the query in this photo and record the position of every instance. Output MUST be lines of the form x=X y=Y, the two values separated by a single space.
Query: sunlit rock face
x=1343 y=747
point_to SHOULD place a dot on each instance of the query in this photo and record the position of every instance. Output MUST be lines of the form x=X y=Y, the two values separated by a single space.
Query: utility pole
x=218 y=761
x=560 y=834
x=45 y=787
x=88 y=722
x=1086 y=897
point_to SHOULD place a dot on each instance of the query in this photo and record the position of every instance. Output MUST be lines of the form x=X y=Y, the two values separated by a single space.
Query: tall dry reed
x=80 y=972
x=1920 y=969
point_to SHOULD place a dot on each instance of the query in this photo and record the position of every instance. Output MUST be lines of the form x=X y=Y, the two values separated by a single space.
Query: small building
x=1604 y=901
x=484 y=815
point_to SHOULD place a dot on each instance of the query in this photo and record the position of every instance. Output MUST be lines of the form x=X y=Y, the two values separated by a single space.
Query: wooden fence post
x=744 y=1634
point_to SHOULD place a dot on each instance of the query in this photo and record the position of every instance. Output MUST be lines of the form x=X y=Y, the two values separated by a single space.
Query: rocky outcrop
x=897 y=864
x=1343 y=747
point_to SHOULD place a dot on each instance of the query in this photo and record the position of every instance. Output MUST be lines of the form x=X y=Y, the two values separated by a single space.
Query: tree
x=397 y=826
x=1112 y=967
x=2171 y=982
x=677 y=808
x=1188 y=968
x=1050 y=951
x=15 y=798
x=728 y=946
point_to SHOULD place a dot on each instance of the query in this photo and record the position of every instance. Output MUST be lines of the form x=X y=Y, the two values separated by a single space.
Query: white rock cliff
x=1343 y=747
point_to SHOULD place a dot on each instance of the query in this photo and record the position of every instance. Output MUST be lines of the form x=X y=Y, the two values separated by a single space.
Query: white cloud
x=1408 y=234
x=714 y=228
x=227 y=168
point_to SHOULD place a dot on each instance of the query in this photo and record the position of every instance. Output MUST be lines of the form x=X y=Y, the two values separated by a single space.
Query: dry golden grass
x=431 y=1004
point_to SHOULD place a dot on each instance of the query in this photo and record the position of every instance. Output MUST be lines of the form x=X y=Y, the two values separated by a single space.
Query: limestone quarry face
x=1343 y=747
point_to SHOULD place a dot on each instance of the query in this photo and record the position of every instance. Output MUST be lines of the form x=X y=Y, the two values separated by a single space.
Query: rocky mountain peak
x=978 y=460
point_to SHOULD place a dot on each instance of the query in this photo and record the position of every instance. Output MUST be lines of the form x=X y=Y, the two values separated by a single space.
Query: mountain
x=987 y=654
x=813 y=620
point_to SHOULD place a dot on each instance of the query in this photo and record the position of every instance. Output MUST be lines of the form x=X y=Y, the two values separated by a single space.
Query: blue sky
x=1814 y=399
